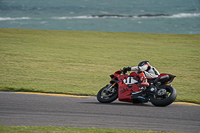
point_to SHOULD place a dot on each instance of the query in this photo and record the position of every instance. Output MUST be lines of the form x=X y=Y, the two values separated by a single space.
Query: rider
x=145 y=71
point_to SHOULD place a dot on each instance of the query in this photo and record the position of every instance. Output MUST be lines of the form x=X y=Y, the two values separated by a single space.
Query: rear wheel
x=164 y=96
x=107 y=94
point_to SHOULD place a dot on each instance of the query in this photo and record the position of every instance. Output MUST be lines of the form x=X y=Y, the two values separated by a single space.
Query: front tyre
x=107 y=94
x=166 y=94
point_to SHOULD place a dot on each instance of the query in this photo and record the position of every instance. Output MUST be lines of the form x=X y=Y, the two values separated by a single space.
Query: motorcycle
x=126 y=88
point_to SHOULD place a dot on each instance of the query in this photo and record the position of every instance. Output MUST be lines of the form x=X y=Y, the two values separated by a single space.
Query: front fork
x=113 y=85
x=110 y=86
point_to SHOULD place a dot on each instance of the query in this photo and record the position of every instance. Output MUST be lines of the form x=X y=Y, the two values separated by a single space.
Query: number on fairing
x=130 y=80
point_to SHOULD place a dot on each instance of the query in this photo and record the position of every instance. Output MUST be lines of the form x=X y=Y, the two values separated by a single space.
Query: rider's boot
x=143 y=80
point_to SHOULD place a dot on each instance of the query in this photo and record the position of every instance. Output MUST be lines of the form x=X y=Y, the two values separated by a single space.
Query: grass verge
x=51 y=129
x=80 y=62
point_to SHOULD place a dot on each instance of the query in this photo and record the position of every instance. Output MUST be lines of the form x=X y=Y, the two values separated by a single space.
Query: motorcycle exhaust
x=160 y=78
x=165 y=77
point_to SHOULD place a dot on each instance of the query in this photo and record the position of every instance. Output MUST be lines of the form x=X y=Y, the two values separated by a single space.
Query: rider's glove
x=125 y=69
x=129 y=68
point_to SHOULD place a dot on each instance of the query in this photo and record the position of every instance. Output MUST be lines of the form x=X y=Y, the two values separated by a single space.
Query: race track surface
x=40 y=110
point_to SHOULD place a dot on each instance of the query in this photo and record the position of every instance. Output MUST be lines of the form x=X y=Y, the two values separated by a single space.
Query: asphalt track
x=45 y=110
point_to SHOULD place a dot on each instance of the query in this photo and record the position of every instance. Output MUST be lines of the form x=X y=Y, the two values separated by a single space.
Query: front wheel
x=107 y=94
x=164 y=96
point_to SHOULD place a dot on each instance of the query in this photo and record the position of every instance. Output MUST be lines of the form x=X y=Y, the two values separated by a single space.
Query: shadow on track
x=120 y=103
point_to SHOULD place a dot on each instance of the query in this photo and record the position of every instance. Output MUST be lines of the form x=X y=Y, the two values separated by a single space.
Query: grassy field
x=50 y=129
x=80 y=62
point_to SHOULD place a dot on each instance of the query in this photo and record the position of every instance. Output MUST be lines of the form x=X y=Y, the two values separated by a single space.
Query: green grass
x=51 y=129
x=80 y=62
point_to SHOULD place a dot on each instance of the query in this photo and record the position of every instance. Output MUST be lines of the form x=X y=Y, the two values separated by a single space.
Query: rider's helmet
x=143 y=63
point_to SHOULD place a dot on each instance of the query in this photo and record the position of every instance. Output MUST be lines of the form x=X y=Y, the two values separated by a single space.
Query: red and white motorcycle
x=125 y=88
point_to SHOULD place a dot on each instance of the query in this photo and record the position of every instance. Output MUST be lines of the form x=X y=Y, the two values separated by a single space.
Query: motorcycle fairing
x=126 y=87
x=124 y=92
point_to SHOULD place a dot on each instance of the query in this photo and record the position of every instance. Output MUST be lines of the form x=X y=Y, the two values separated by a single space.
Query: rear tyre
x=107 y=94
x=164 y=99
